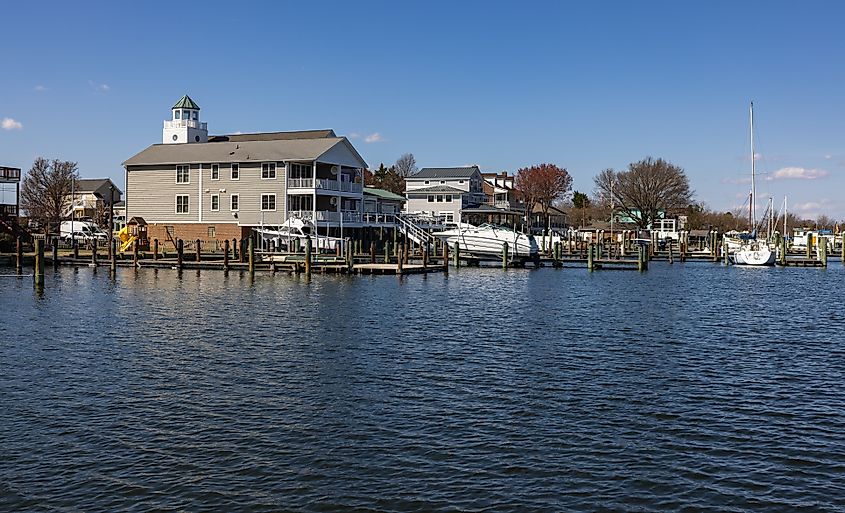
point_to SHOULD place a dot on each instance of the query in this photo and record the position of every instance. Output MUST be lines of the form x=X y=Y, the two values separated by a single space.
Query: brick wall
x=192 y=232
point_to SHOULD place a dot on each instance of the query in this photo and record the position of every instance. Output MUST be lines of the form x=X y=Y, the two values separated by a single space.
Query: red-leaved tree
x=542 y=185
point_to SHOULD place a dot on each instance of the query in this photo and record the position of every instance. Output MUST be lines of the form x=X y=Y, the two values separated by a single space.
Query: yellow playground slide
x=125 y=238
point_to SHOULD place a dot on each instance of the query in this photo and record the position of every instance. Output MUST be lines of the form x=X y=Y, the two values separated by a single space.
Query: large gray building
x=196 y=186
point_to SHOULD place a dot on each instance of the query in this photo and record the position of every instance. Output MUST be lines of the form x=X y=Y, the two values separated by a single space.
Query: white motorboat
x=297 y=229
x=753 y=251
x=487 y=241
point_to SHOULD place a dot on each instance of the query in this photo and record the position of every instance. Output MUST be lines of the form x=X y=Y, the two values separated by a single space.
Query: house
x=499 y=191
x=382 y=202
x=10 y=186
x=444 y=191
x=90 y=195
x=196 y=186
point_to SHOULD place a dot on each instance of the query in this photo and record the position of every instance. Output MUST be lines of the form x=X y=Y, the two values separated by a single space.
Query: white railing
x=374 y=218
x=337 y=185
x=328 y=216
x=185 y=123
x=300 y=183
x=301 y=214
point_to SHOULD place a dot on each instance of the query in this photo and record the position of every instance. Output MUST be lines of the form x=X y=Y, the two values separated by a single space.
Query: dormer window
x=176 y=114
x=196 y=115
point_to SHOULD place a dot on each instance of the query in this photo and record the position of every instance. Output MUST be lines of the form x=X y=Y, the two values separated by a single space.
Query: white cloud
x=40 y=88
x=828 y=157
x=100 y=88
x=736 y=181
x=797 y=173
x=374 y=138
x=354 y=135
x=11 y=124
x=810 y=206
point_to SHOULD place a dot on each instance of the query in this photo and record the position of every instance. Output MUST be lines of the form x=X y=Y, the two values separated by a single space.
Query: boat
x=299 y=230
x=753 y=251
x=487 y=241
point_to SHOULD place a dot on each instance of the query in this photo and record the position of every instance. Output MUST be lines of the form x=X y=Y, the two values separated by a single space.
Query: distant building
x=90 y=195
x=197 y=186
x=10 y=188
x=444 y=191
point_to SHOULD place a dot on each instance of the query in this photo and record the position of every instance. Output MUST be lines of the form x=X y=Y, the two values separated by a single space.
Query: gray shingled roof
x=261 y=151
x=274 y=136
x=446 y=172
x=93 y=184
x=438 y=189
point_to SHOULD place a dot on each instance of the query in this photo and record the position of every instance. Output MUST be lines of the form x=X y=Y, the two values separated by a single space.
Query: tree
x=581 y=202
x=646 y=189
x=46 y=190
x=386 y=178
x=406 y=165
x=542 y=185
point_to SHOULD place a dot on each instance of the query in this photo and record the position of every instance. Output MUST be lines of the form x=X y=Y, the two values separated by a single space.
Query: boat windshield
x=490 y=226
x=306 y=230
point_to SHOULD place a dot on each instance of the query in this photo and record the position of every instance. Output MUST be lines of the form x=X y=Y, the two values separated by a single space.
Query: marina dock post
x=782 y=255
x=504 y=255
x=94 y=253
x=445 y=258
x=400 y=259
x=308 y=256
x=251 y=256
x=113 y=256
x=39 y=262
x=669 y=246
x=350 y=255
x=241 y=251
x=19 y=256
x=387 y=252
x=373 y=252
x=198 y=257
x=823 y=251
x=810 y=246
x=155 y=249
x=180 y=246
x=75 y=249
x=457 y=254
x=725 y=259
x=55 y=253
x=424 y=251
x=226 y=255
x=135 y=253
x=590 y=263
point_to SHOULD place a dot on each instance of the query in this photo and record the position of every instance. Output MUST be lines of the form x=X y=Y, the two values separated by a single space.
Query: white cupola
x=184 y=125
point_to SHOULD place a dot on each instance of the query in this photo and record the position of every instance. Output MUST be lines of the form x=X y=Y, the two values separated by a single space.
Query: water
x=690 y=387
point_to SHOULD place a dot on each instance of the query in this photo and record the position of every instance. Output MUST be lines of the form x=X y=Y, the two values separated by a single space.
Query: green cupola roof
x=186 y=103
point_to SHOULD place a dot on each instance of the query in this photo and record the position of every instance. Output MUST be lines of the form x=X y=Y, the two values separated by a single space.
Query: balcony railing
x=325 y=185
x=8 y=211
x=10 y=174
x=185 y=123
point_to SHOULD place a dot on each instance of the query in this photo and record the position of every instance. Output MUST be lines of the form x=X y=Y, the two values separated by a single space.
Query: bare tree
x=406 y=165
x=46 y=189
x=647 y=188
x=542 y=185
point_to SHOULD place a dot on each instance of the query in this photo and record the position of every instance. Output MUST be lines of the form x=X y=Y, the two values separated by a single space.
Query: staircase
x=419 y=228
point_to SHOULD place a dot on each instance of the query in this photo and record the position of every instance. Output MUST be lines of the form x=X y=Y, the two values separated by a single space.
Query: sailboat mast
x=753 y=185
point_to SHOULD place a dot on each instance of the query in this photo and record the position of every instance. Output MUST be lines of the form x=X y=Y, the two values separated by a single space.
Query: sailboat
x=753 y=251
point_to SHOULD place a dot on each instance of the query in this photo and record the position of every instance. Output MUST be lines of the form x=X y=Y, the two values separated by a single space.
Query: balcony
x=185 y=123
x=10 y=174
x=324 y=185
x=8 y=211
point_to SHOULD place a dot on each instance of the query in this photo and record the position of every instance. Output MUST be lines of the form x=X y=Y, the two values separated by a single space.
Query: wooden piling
x=445 y=257
x=373 y=252
x=19 y=255
x=725 y=256
x=457 y=254
x=180 y=248
x=424 y=250
x=810 y=240
x=113 y=254
x=94 y=253
x=198 y=250
x=308 y=256
x=241 y=248
x=135 y=253
x=504 y=255
x=251 y=256
x=590 y=263
x=387 y=252
x=226 y=255
x=55 y=253
x=401 y=258
x=39 y=262
x=823 y=251
x=669 y=245
x=350 y=256
x=782 y=255
x=155 y=249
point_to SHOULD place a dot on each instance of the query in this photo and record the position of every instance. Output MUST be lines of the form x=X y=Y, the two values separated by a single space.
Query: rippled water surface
x=691 y=387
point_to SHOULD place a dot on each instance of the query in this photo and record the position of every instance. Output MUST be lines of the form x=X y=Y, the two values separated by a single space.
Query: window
x=236 y=172
x=440 y=198
x=431 y=198
x=183 y=174
x=212 y=232
x=215 y=171
x=268 y=202
x=426 y=182
x=182 y=204
x=196 y=115
x=176 y=114
x=442 y=182
x=215 y=202
x=298 y=170
x=449 y=198
x=300 y=203
x=268 y=171
x=233 y=202
x=460 y=181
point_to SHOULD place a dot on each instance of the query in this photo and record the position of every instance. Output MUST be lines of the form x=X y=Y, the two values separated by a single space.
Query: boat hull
x=489 y=243
x=754 y=257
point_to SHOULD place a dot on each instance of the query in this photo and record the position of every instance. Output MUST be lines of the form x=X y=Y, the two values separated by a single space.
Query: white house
x=444 y=191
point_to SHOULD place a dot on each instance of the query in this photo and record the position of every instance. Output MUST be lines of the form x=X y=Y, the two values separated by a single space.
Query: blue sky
x=586 y=85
